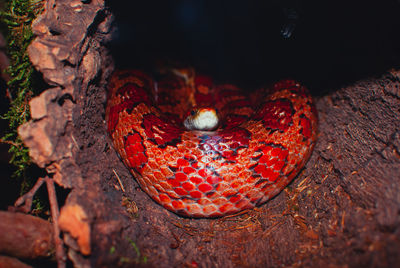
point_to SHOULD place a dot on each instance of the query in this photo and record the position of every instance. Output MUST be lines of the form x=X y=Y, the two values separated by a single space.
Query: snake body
x=261 y=143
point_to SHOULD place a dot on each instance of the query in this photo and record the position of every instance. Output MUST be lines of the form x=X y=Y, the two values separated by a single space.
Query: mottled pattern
x=262 y=143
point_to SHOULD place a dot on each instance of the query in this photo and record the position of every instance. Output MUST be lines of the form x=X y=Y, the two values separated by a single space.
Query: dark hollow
x=332 y=43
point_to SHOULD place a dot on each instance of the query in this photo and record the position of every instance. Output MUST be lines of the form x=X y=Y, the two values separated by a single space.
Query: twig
x=55 y=212
x=75 y=142
x=9 y=142
x=28 y=197
x=119 y=181
x=235 y=215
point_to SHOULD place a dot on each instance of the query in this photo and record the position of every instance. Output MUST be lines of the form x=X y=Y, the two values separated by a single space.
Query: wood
x=25 y=236
x=10 y=262
x=342 y=210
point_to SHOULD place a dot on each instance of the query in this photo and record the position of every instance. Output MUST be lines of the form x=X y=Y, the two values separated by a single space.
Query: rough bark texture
x=343 y=209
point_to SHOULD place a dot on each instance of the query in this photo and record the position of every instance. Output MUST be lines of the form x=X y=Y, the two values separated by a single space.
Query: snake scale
x=260 y=143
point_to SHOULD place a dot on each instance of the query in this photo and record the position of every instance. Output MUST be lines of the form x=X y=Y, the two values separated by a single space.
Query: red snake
x=260 y=144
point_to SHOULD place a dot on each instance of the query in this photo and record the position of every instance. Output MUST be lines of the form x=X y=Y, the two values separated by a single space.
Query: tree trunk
x=342 y=209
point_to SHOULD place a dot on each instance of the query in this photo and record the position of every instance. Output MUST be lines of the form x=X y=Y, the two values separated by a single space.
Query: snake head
x=205 y=119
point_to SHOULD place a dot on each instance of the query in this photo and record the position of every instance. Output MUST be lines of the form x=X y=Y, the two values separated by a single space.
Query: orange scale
x=204 y=172
x=182 y=177
x=129 y=150
x=245 y=189
x=158 y=176
x=236 y=169
x=261 y=185
x=147 y=180
x=251 y=127
x=138 y=148
x=178 y=204
x=299 y=139
x=153 y=165
x=226 y=176
x=168 y=206
x=166 y=171
x=205 y=159
x=159 y=158
x=219 y=201
x=182 y=162
x=251 y=180
x=160 y=187
x=222 y=187
x=291 y=171
x=205 y=187
x=196 y=180
x=150 y=154
x=257 y=135
x=195 y=165
x=198 y=165
x=153 y=191
x=259 y=169
x=215 y=214
x=174 y=182
x=254 y=195
x=244 y=174
x=194 y=209
x=204 y=201
x=155 y=198
x=196 y=194
x=229 y=192
x=188 y=186
x=226 y=208
x=279 y=165
x=176 y=154
x=182 y=149
x=189 y=170
x=141 y=182
x=273 y=176
x=189 y=201
x=172 y=194
x=165 y=185
x=265 y=172
x=191 y=145
x=264 y=159
x=213 y=180
x=146 y=170
x=235 y=199
x=244 y=204
x=132 y=162
x=293 y=161
x=164 y=198
x=168 y=157
x=207 y=210
x=196 y=153
x=236 y=184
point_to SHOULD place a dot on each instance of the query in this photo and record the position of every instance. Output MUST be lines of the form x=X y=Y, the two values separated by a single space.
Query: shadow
x=332 y=44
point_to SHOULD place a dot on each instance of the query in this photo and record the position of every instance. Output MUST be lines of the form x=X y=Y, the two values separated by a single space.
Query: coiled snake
x=258 y=145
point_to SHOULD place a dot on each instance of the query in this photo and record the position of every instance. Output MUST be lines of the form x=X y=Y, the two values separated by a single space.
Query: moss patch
x=23 y=85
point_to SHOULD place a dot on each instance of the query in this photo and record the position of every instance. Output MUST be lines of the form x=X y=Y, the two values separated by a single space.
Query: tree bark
x=342 y=209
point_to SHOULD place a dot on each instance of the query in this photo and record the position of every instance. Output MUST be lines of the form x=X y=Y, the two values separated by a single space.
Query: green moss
x=17 y=17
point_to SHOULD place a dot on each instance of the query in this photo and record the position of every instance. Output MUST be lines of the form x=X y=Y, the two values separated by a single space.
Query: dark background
x=334 y=43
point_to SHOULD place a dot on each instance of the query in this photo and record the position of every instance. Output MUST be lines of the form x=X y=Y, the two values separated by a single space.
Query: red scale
x=248 y=158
